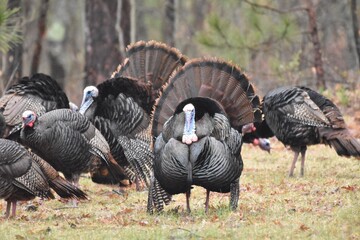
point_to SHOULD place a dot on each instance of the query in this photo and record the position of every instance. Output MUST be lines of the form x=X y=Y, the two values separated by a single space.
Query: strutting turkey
x=195 y=120
x=121 y=107
x=68 y=141
x=299 y=116
x=39 y=93
x=24 y=175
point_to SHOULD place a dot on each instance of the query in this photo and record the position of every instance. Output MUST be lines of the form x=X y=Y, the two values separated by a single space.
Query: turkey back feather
x=338 y=136
x=111 y=88
x=151 y=63
x=210 y=78
x=62 y=187
x=43 y=86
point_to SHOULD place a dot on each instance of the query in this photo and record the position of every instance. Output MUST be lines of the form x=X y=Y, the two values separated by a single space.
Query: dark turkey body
x=55 y=140
x=211 y=162
x=292 y=133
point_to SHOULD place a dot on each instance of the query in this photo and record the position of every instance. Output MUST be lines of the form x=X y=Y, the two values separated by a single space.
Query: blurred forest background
x=276 y=42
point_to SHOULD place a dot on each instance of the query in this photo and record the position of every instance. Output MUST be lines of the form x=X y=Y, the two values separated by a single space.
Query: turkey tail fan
x=209 y=78
x=150 y=62
x=62 y=187
x=341 y=140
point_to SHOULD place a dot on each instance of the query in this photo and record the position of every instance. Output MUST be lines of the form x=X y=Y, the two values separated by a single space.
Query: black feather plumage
x=220 y=99
x=299 y=116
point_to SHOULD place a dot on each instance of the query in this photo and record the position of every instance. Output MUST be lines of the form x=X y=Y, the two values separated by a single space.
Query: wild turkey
x=299 y=116
x=24 y=176
x=67 y=141
x=121 y=106
x=195 y=120
x=39 y=93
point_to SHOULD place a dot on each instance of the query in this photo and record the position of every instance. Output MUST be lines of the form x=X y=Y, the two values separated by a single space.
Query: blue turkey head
x=89 y=94
x=29 y=118
x=263 y=143
x=189 y=135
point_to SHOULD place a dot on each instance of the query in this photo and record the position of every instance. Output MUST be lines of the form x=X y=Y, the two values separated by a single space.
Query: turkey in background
x=196 y=121
x=299 y=116
x=121 y=107
x=39 y=93
x=24 y=176
x=69 y=142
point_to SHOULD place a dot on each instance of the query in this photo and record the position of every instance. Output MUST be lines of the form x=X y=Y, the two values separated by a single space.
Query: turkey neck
x=89 y=112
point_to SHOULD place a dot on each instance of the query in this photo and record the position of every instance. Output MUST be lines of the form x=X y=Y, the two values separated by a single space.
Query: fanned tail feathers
x=209 y=78
x=150 y=62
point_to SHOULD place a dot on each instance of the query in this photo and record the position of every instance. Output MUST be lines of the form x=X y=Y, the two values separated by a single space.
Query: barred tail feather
x=341 y=140
x=66 y=190
x=157 y=197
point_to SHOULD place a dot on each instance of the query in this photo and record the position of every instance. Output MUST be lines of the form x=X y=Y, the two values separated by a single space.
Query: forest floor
x=324 y=204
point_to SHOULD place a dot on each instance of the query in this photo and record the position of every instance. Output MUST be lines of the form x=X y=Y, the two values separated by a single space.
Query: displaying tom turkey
x=299 y=116
x=196 y=121
x=39 y=93
x=121 y=107
x=69 y=142
x=24 y=176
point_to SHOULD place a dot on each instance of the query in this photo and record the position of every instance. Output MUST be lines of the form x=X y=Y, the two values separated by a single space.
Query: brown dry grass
x=322 y=205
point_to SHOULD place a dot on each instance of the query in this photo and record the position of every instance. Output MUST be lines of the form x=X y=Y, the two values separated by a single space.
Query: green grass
x=322 y=205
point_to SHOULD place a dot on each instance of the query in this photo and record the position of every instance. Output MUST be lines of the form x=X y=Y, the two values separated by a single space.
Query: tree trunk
x=141 y=28
x=133 y=23
x=318 y=63
x=102 y=39
x=355 y=29
x=169 y=27
x=41 y=33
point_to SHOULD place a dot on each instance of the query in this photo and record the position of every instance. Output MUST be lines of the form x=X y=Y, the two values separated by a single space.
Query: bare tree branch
x=276 y=10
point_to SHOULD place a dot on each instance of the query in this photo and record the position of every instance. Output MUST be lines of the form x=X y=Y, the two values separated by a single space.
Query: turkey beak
x=86 y=103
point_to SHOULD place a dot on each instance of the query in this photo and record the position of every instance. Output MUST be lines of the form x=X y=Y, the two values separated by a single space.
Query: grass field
x=325 y=204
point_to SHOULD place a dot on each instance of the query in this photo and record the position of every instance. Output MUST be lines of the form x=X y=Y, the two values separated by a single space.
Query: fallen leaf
x=277 y=222
x=215 y=218
x=303 y=227
x=349 y=188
